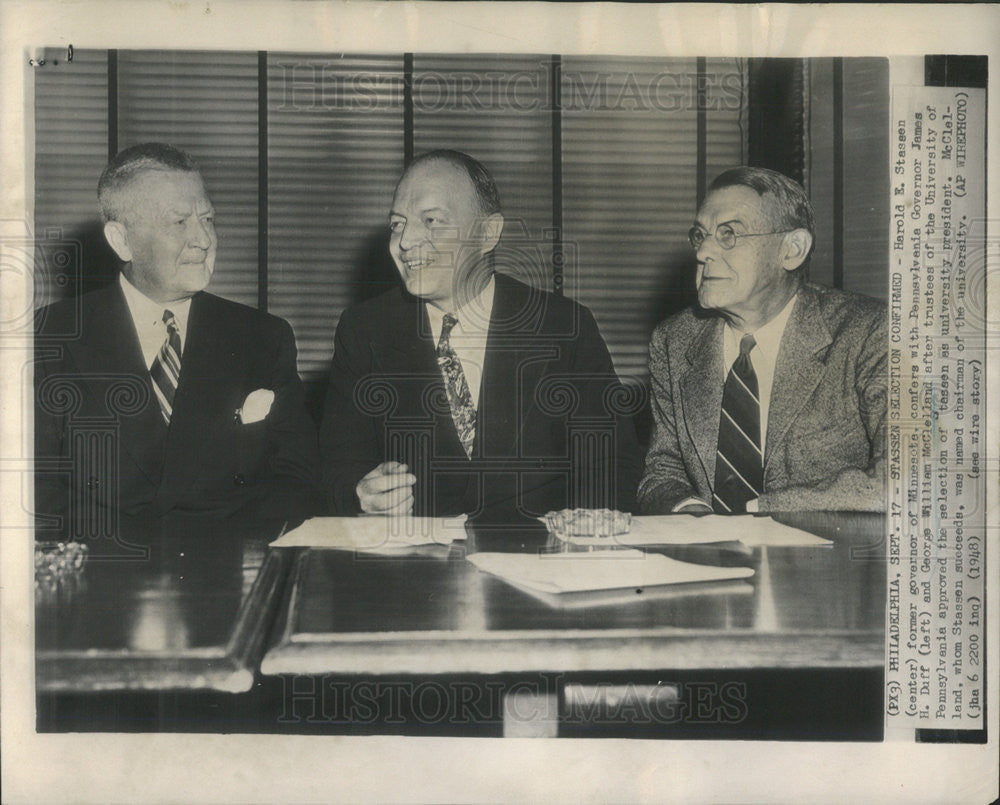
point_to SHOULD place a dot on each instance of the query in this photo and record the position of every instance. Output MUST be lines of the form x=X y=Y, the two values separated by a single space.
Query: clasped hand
x=387 y=489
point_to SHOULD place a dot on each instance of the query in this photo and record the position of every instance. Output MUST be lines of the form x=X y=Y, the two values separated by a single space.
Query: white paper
x=612 y=570
x=373 y=534
x=687 y=529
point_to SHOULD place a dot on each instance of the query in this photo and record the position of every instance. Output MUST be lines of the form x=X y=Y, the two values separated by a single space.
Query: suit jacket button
x=93 y=483
x=239 y=480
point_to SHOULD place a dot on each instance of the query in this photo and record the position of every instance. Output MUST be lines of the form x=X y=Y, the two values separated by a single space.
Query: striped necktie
x=166 y=368
x=739 y=464
x=463 y=412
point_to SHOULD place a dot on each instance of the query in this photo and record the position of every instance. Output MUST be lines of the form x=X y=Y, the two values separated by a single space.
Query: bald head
x=444 y=219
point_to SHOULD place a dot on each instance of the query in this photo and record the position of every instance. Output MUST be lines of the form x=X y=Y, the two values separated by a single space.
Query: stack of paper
x=373 y=534
x=563 y=573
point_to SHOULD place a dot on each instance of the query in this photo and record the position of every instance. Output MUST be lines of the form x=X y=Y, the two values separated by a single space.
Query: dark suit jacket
x=552 y=427
x=826 y=427
x=103 y=450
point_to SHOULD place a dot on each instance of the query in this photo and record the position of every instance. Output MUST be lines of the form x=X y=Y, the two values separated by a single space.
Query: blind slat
x=630 y=190
x=71 y=150
x=335 y=151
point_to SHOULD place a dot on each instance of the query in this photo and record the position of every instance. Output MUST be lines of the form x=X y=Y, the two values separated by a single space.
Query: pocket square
x=256 y=406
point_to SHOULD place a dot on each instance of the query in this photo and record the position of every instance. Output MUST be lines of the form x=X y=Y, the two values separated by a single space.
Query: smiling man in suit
x=154 y=397
x=771 y=394
x=465 y=390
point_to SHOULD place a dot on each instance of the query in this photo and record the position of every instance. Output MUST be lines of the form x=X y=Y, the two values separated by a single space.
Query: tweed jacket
x=826 y=428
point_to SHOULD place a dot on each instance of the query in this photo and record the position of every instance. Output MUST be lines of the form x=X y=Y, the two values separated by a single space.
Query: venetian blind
x=496 y=108
x=866 y=176
x=335 y=151
x=71 y=150
x=863 y=103
x=630 y=172
x=206 y=104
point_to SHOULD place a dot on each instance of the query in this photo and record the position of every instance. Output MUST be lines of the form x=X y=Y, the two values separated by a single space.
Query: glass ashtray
x=588 y=526
x=54 y=560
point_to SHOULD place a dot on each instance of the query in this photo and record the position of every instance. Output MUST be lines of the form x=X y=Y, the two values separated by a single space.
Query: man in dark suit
x=153 y=397
x=466 y=391
x=771 y=395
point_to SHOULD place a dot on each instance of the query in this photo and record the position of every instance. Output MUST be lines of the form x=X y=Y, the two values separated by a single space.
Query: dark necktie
x=739 y=464
x=463 y=412
x=166 y=368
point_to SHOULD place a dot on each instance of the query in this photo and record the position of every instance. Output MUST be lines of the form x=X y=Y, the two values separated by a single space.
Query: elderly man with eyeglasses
x=770 y=395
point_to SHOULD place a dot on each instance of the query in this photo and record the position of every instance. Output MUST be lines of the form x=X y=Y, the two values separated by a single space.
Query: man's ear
x=116 y=235
x=795 y=249
x=492 y=228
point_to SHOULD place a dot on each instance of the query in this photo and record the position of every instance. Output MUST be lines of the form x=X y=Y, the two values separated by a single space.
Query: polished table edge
x=229 y=669
x=545 y=651
x=556 y=650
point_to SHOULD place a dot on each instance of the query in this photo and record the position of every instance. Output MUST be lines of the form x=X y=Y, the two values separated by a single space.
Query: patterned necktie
x=166 y=368
x=463 y=412
x=739 y=465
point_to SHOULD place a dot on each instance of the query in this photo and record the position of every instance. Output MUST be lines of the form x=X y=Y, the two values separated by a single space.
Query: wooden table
x=808 y=609
x=171 y=639
x=172 y=605
x=804 y=607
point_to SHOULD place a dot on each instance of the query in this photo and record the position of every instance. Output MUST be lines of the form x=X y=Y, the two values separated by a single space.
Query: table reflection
x=157 y=621
x=184 y=607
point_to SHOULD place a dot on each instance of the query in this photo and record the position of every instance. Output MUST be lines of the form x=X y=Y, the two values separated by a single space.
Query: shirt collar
x=473 y=317
x=768 y=337
x=145 y=312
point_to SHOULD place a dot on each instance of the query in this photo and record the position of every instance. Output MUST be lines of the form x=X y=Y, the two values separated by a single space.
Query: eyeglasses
x=725 y=236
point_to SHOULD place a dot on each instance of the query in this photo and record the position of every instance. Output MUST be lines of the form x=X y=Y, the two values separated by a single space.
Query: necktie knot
x=747 y=343
x=447 y=325
x=169 y=320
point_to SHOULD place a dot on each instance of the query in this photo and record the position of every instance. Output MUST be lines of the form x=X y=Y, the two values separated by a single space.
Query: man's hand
x=387 y=489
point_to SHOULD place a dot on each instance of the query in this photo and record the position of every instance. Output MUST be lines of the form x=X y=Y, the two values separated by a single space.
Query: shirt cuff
x=753 y=506
x=687 y=502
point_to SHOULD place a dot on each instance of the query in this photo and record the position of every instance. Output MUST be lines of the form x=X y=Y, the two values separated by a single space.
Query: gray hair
x=128 y=163
x=789 y=206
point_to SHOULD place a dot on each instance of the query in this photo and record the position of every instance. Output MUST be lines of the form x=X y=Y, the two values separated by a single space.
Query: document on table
x=686 y=529
x=374 y=534
x=605 y=570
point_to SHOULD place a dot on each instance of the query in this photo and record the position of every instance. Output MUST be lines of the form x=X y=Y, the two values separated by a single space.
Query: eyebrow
x=422 y=212
x=185 y=211
x=721 y=223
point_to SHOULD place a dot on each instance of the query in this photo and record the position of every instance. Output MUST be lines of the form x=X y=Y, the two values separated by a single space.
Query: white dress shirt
x=147 y=316
x=468 y=337
x=764 y=357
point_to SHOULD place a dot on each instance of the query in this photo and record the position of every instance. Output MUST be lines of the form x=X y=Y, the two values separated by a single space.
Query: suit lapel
x=800 y=366
x=411 y=364
x=109 y=349
x=410 y=346
x=212 y=367
x=701 y=393
x=507 y=368
x=511 y=373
